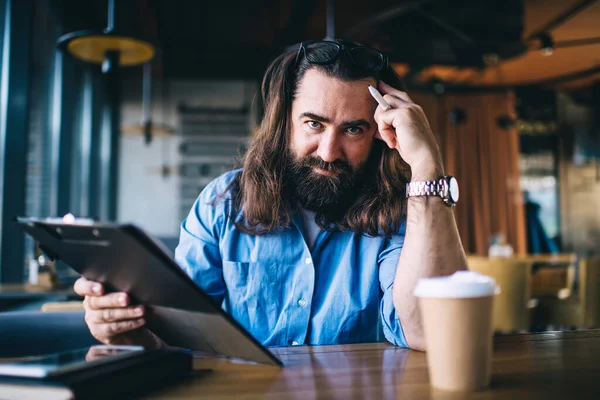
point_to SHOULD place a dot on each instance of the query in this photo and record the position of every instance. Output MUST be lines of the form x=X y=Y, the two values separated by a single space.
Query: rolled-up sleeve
x=388 y=262
x=198 y=251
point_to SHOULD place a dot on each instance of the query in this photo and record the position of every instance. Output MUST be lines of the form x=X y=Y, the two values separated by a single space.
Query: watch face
x=453 y=186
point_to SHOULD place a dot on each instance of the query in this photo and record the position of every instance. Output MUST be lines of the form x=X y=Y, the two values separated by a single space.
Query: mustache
x=337 y=166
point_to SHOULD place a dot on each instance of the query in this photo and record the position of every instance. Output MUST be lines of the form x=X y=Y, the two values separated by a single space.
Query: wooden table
x=29 y=291
x=17 y=295
x=530 y=366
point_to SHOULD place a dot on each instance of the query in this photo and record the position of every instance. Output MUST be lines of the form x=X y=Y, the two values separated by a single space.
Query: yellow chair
x=582 y=309
x=554 y=275
x=512 y=307
x=589 y=291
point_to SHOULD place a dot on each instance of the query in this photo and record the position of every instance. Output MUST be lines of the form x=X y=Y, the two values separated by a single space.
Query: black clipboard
x=126 y=259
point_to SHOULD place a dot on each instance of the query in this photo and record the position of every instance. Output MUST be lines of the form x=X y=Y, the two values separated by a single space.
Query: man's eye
x=354 y=130
x=314 y=124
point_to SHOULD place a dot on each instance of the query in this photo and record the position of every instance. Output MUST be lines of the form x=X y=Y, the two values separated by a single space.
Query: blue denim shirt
x=282 y=292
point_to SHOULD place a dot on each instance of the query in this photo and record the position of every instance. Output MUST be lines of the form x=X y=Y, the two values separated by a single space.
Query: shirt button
x=302 y=303
x=308 y=260
x=294 y=343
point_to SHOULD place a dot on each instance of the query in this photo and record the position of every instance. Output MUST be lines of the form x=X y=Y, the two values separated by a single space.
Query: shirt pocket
x=250 y=279
x=253 y=284
x=254 y=298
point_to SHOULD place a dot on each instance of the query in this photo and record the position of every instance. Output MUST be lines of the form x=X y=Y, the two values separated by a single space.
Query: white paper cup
x=456 y=312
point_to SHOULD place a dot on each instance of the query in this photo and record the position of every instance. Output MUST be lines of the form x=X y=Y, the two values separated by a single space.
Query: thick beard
x=329 y=196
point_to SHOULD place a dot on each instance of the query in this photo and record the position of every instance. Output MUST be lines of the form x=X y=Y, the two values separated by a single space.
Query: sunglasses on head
x=326 y=51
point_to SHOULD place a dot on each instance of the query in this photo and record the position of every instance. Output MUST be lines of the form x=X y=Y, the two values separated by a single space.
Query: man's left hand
x=405 y=128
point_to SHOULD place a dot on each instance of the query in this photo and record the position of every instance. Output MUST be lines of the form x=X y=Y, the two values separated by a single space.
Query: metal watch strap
x=427 y=188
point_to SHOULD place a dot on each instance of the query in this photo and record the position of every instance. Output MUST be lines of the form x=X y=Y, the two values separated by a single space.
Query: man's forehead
x=321 y=93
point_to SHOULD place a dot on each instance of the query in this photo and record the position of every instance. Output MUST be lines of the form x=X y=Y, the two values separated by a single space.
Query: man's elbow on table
x=416 y=342
x=412 y=335
x=404 y=332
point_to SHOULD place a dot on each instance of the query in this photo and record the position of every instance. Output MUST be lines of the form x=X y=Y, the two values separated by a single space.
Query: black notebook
x=89 y=373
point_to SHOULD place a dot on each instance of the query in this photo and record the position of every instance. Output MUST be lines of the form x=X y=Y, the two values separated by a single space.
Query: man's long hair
x=260 y=190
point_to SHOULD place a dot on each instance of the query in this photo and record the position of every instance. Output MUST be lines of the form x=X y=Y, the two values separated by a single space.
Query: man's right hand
x=111 y=319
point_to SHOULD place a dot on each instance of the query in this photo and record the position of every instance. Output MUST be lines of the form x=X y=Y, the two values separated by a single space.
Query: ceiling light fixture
x=457 y=115
x=94 y=46
x=546 y=44
x=506 y=123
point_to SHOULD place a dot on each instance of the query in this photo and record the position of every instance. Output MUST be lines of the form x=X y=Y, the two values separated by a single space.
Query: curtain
x=484 y=158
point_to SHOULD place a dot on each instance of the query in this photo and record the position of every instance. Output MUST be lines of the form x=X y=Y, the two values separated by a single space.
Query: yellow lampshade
x=93 y=49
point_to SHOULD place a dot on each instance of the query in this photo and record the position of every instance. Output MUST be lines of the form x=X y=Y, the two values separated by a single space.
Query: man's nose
x=329 y=146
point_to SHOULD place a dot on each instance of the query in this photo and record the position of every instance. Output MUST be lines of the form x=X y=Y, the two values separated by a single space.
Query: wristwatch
x=446 y=188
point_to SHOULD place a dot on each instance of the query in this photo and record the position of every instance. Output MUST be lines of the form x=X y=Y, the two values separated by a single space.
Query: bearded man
x=340 y=207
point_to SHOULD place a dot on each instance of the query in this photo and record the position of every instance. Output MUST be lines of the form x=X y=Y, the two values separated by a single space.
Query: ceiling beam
x=447 y=27
x=381 y=17
x=576 y=42
x=561 y=19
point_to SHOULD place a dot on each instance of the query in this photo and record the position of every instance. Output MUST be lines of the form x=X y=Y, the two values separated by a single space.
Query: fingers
x=384 y=88
x=83 y=287
x=111 y=300
x=397 y=122
x=396 y=103
x=386 y=133
x=108 y=315
x=102 y=316
x=107 y=332
x=95 y=297
x=385 y=120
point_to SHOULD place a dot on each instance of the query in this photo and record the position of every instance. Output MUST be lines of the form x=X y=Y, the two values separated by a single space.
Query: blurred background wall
x=509 y=87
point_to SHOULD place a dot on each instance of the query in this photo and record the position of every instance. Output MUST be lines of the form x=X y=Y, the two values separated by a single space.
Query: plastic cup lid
x=461 y=284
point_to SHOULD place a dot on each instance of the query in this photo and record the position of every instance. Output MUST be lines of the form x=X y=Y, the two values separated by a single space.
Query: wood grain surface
x=560 y=365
